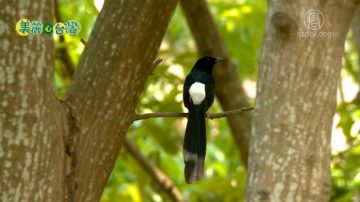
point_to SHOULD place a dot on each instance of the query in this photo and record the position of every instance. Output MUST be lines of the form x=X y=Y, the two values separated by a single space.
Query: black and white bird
x=198 y=95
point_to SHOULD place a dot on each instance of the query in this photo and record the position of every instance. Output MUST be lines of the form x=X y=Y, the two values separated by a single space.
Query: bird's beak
x=219 y=60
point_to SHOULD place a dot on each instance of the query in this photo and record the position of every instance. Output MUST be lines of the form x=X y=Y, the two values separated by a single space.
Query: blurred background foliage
x=241 y=23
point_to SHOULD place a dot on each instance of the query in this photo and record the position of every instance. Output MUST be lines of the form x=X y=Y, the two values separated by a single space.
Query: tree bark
x=229 y=90
x=65 y=150
x=118 y=59
x=31 y=119
x=296 y=101
x=355 y=27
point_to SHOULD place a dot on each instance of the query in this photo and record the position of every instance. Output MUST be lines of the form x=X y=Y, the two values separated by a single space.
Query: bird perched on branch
x=198 y=95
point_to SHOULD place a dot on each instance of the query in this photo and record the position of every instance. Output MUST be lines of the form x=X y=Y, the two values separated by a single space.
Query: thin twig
x=228 y=113
x=157 y=175
x=182 y=114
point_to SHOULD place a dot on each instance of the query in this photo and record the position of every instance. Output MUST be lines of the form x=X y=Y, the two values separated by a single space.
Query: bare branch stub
x=157 y=62
x=83 y=42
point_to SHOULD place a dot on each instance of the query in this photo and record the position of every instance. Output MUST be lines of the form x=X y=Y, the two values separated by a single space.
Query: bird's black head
x=206 y=64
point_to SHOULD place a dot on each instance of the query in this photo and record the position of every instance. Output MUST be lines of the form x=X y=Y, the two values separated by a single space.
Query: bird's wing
x=210 y=94
x=186 y=95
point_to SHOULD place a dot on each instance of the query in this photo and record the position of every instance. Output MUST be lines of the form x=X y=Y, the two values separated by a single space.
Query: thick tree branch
x=107 y=84
x=182 y=114
x=163 y=181
x=155 y=63
x=229 y=90
x=160 y=178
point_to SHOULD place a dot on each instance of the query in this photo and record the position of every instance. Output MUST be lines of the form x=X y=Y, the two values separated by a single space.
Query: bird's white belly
x=197 y=93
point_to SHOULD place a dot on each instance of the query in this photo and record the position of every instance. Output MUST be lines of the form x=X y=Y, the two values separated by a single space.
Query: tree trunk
x=31 y=118
x=65 y=150
x=296 y=101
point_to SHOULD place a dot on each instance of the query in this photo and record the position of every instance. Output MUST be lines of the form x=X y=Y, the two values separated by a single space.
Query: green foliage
x=345 y=169
x=242 y=27
x=241 y=23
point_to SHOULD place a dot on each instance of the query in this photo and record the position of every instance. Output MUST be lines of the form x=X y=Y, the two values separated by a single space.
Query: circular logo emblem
x=36 y=27
x=59 y=28
x=72 y=27
x=48 y=29
x=314 y=19
x=23 y=27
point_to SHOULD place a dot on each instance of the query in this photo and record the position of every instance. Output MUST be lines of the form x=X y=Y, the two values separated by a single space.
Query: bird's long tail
x=194 y=147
